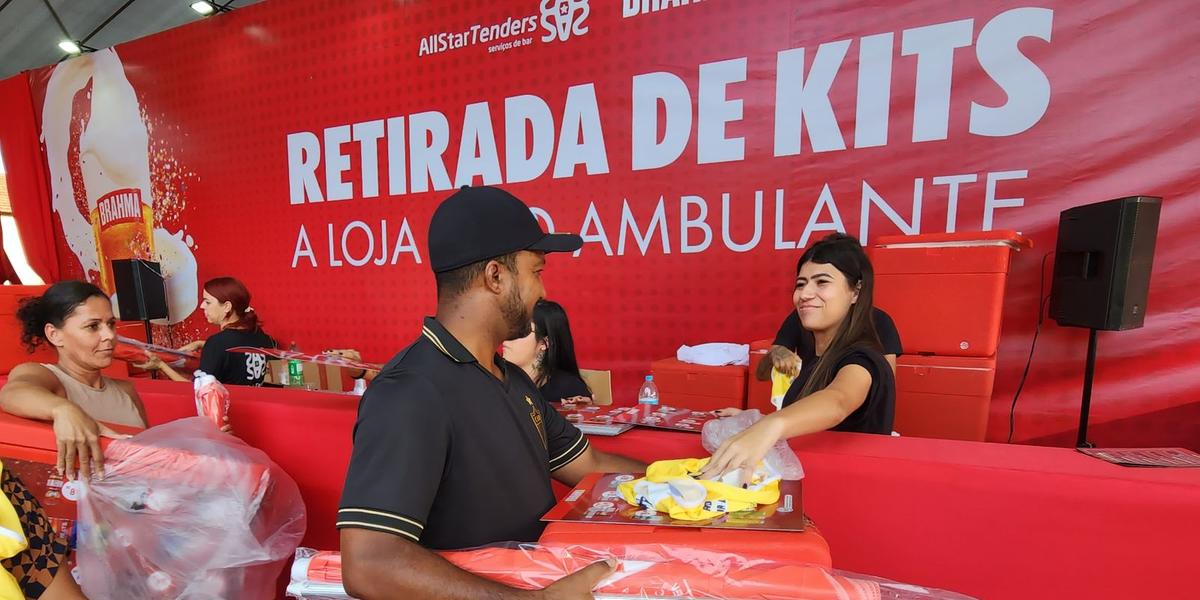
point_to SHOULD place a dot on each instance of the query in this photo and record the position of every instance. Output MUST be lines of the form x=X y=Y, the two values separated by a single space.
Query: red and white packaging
x=212 y=399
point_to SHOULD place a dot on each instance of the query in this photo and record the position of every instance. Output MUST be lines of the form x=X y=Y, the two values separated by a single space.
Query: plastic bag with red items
x=185 y=511
x=212 y=399
x=645 y=571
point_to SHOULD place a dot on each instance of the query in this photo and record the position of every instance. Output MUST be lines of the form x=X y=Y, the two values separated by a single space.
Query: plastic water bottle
x=295 y=370
x=648 y=395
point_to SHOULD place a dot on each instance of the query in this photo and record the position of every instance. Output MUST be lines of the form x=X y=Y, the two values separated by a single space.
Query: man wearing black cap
x=454 y=447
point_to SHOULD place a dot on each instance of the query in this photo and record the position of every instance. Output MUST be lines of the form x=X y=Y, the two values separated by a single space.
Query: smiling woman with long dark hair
x=850 y=386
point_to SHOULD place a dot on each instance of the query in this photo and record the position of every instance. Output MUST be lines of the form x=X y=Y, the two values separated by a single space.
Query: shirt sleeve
x=401 y=441
x=864 y=360
x=889 y=337
x=212 y=356
x=788 y=335
x=876 y=413
x=564 y=441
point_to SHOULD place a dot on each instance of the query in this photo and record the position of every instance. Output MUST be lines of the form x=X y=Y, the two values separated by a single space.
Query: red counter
x=306 y=433
x=990 y=520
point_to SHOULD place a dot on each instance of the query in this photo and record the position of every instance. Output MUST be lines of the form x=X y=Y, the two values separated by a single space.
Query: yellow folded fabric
x=12 y=543
x=673 y=487
x=780 y=384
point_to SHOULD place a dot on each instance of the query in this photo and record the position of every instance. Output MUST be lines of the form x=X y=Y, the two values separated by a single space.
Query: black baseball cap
x=478 y=223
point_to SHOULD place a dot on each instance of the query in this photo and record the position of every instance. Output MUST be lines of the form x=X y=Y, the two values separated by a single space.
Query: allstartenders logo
x=563 y=18
x=560 y=19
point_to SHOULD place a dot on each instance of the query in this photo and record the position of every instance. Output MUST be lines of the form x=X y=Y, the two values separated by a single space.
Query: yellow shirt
x=12 y=543
x=672 y=487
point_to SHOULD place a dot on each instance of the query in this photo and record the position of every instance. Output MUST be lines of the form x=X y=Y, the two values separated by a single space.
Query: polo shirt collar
x=446 y=343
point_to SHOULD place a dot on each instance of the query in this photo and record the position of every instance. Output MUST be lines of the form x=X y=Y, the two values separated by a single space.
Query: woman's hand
x=226 y=427
x=78 y=438
x=192 y=347
x=727 y=412
x=744 y=451
x=347 y=353
x=351 y=355
x=153 y=363
x=785 y=361
x=576 y=400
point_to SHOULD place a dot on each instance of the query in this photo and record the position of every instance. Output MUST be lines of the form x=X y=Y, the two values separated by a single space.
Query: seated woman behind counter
x=226 y=304
x=850 y=385
x=547 y=354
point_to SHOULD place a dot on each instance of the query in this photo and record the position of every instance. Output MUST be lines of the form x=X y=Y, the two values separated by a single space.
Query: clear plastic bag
x=780 y=457
x=644 y=571
x=187 y=512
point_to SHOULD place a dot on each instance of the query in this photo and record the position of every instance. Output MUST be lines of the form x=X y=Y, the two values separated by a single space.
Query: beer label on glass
x=123 y=225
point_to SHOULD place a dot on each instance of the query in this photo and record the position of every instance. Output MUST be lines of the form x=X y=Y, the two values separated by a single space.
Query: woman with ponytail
x=849 y=386
x=226 y=304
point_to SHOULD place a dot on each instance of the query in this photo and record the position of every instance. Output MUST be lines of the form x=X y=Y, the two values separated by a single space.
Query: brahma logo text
x=633 y=8
x=563 y=18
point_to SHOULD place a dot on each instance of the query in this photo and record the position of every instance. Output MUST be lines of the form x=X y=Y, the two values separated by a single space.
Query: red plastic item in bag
x=212 y=399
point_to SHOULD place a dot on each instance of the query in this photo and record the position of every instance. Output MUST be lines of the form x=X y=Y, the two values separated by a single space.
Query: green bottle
x=295 y=370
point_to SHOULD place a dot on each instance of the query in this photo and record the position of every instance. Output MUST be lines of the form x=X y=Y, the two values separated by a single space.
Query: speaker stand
x=150 y=340
x=1089 y=371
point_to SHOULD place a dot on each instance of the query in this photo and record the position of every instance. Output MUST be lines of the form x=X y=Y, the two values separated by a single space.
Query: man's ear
x=493 y=276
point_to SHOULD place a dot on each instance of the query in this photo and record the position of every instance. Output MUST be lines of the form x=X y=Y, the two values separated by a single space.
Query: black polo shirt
x=449 y=456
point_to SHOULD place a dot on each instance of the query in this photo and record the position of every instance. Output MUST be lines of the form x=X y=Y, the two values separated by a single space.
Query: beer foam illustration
x=67 y=79
x=179 y=274
x=114 y=156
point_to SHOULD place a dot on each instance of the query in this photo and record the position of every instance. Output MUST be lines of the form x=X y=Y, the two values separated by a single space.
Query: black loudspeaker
x=141 y=295
x=1102 y=263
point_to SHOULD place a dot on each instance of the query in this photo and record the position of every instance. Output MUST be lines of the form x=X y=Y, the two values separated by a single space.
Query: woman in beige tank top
x=76 y=318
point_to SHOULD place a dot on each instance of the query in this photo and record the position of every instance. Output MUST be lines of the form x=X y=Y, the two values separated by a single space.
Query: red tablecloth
x=990 y=520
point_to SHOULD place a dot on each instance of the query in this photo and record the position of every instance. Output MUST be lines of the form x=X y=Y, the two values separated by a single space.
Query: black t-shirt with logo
x=448 y=456
x=878 y=411
x=235 y=367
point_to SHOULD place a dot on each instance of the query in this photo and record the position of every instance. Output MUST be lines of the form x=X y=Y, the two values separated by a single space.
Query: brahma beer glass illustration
x=98 y=150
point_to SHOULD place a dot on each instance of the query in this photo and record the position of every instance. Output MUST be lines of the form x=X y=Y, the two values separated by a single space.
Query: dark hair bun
x=53 y=307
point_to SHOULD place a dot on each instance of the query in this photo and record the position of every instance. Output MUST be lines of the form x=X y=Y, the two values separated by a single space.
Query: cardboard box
x=327 y=378
x=600 y=383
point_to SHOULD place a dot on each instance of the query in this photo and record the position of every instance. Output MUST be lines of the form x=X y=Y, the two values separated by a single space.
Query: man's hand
x=579 y=585
x=78 y=438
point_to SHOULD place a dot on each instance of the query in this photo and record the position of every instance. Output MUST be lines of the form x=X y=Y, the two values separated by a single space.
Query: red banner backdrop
x=302 y=147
